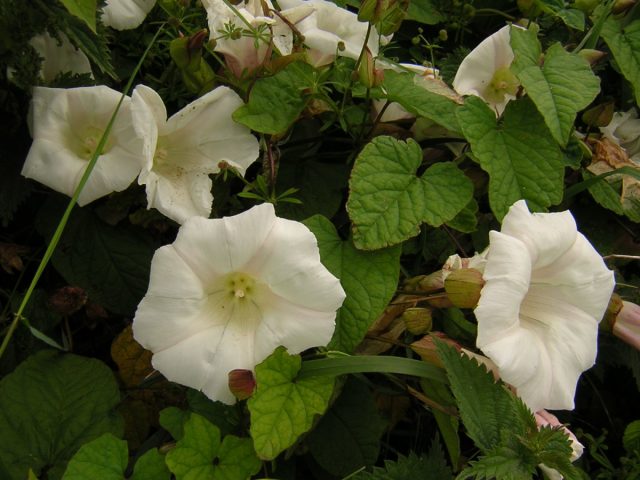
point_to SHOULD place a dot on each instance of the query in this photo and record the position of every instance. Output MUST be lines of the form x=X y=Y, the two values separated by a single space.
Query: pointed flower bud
x=592 y=56
x=626 y=325
x=418 y=320
x=463 y=287
x=367 y=70
x=242 y=383
x=426 y=347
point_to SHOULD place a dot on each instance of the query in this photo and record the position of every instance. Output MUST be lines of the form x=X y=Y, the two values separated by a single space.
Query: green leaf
x=424 y=11
x=276 y=102
x=110 y=263
x=172 y=419
x=320 y=187
x=348 y=435
x=560 y=88
x=283 y=407
x=405 y=89
x=388 y=202
x=200 y=455
x=50 y=406
x=624 y=42
x=368 y=278
x=501 y=463
x=94 y=46
x=150 y=466
x=631 y=437
x=371 y=364
x=552 y=447
x=608 y=195
x=226 y=417
x=466 y=221
x=431 y=467
x=85 y=10
x=522 y=160
x=105 y=458
x=486 y=407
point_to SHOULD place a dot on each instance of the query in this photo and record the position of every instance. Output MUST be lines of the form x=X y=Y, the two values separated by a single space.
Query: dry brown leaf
x=134 y=362
x=11 y=257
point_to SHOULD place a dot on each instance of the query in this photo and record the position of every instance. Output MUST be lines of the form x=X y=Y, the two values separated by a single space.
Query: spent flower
x=181 y=152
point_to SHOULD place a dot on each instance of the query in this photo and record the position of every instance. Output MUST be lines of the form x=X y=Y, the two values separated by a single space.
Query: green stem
x=493 y=11
x=65 y=217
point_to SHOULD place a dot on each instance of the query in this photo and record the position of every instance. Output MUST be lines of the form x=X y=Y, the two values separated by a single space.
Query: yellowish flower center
x=503 y=82
x=88 y=142
x=240 y=286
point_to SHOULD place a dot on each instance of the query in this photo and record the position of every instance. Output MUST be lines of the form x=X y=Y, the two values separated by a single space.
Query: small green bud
x=463 y=287
x=443 y=35
x=468 y=11
x=418 y=320
x=415 y=40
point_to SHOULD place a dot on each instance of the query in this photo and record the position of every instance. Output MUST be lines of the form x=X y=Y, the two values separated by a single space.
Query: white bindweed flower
x=229 y=291
x=126 y=14
x=486 y=73
x=182 y=151
x=59 y=57
x=624 y=130
x=329 y=30
x=66 y=126
x=245 y=36
x=545 y=293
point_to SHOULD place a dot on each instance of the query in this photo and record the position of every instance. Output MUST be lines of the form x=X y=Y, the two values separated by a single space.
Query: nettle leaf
x=283 y=408
x=431 y=466
x=276 y=102
x=560 y=88
x=624 y=42
x=110 y=263
x=348 y=435
x=501 y=463
x=105 y=458
x=200 y=455
x=51 y=405
x=523 y=161
x=85 y=10
x=388 y=202
x=631 y=437
x=402 y=87
x=369 y=279
x=486 y=407
x=552 y=447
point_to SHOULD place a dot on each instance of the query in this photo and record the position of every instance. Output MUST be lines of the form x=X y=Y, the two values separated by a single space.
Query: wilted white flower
x=59 y=57
x=245 y=40
x=545 y=293
x=181 y=152
x=229 y=291
x=486 y=73
x=126 y=14
x=66 y=126
x=624 y=130
x=329 y=30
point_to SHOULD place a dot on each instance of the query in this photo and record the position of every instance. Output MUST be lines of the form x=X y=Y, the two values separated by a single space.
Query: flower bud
x=426 y=347
x=463 y=287
x=622 y=6
x=591 y=56
x=417 y=320
x=367 y=71
x=443 y=35
x=67 y=300
x=600 y=115
x=626 y=325
x=241 y=383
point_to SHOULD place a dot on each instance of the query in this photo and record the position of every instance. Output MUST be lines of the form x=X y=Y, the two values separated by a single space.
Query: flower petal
x=296 y=274
x=507 y=276
x=126 y=14
x=216 y=247
x=547 y=236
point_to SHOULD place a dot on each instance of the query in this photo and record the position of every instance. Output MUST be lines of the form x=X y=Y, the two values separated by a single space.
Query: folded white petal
x=59 y=58
x=126 y=14
x=546 y=290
